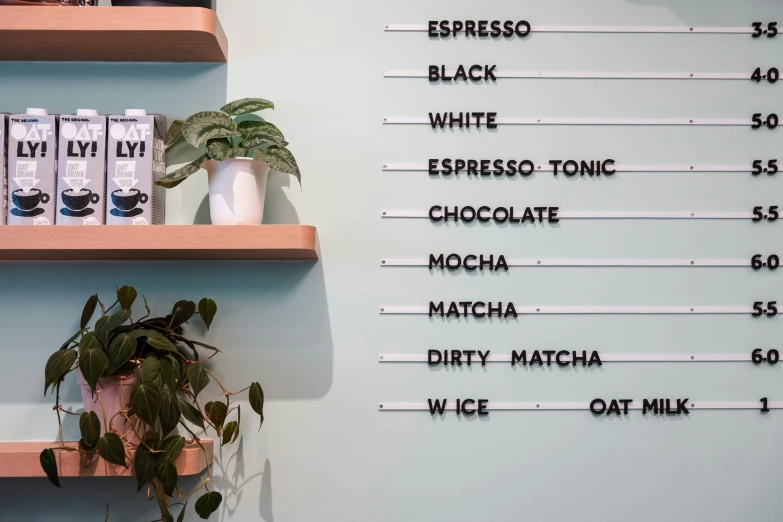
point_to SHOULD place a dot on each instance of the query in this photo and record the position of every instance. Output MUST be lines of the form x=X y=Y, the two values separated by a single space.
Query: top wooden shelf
x=111 y=34
x=158 y=242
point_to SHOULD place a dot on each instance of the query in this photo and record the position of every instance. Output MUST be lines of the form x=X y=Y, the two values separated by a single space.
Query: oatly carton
x=3 y=167
x=32 y=161
x=135 y=159
x=81 y=169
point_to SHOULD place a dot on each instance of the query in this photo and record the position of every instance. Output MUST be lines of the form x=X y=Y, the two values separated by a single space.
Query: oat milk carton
x=32 y=161
x=135 y=159
x=3 y=167
x=81 y=169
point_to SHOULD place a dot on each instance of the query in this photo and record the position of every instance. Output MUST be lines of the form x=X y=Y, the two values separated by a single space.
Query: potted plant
x=142 y=378
x=238 y=156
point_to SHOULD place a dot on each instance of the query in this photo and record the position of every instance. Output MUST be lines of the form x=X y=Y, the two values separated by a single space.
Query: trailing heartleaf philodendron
x=170 y=381
x=224 y=139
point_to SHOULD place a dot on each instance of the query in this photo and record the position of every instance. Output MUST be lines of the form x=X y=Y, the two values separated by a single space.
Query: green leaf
x=221 y=149
x=120 y=351
x=92 y=363
x=145 y=401
x=151 y=438
x=190 y=413
x=90 y=428
x=100 y=331
x=216 y=412
x=181 y=516
x=279 y=159
x=247 y=106
x=89 y=341
x=67 y=344
x=144 y=465
x=111 y=449
x=141 y=332
x=117 y=319
x=170 y=370
x=106 y=324
x=181 y=174
x=261 y=133
x=257 y=400
x=89 y=309
x=208 y=347
x=208 y=504
x=228 y=432
x=57 y=365
x=169 y=413
x=175 y=132
x=126 y=295
x=198 y=378
x=151 y=372
x=239 y=423
x=167 y=475
x=207 y=125
x=162 y=343
x=182 y=312
x=49 y=465
x=207 y=308
x=160 y=496
x=173 y=447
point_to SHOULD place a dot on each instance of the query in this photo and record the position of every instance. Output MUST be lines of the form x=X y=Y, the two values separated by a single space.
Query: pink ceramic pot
x=115 y=395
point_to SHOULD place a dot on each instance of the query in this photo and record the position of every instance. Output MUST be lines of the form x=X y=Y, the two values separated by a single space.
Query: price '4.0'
x=772 y=75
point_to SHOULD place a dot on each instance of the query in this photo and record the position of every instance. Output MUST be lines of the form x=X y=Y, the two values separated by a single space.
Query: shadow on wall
x=272 y=323
x=272 y=326
x=173 y=89
x=86 y=498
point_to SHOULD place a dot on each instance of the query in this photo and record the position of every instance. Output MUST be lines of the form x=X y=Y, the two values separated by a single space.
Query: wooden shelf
x=22 y=459
x=157 y=242
x=111 y=34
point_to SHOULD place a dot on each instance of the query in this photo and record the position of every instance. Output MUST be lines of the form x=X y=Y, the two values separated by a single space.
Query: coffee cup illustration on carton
x=3 y=166
x=81 y=166
x=135 y=159
x=32 y=152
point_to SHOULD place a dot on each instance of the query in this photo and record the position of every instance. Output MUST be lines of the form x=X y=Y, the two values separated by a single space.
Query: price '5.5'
x=771 y=215
x=771 y=167
x=759 y=310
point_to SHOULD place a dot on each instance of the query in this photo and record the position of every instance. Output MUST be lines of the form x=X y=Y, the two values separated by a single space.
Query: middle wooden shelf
x=158 y=242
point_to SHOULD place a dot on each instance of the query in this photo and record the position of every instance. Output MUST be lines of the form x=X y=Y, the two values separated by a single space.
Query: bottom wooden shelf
x=22 y=459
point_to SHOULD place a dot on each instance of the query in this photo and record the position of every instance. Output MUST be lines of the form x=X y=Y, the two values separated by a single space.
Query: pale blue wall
x=311 y=332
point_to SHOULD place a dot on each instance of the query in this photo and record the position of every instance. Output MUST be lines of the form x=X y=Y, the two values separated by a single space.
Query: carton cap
x=37 y=112
x=135 y=112
x=86 y=112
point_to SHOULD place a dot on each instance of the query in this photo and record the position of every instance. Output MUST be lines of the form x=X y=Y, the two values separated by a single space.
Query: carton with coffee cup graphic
x=135 y=159
x=3 y=166
x=32 y=158
x=81 y=169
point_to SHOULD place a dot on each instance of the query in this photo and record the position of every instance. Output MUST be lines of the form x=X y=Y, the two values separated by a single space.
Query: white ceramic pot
x=115 y=398
x=236 y=191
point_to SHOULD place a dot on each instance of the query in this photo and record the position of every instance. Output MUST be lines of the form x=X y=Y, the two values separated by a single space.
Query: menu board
x=490 y=151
